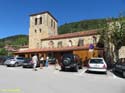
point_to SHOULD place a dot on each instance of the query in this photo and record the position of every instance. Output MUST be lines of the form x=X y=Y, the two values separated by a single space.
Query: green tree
x=118 y=36
x=3 y=52
x=113 y=37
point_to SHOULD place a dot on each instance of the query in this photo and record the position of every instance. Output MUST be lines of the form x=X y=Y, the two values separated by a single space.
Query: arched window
x=70 y=43
x=59 y=44
x=51 y=44
x=80 y=42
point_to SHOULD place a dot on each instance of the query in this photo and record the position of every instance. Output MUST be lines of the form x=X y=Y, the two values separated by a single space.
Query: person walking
x=47 y=58
x=34 y=60
x=41 y=62
x=56 y=64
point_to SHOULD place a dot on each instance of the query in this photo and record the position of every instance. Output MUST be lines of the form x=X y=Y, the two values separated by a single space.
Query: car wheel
x=81 y=67
x=105 y=72
x=123 y=73
x=62 y=69
x=23 y=66
x=76 y=68
x=66 y=61
x=16 y=64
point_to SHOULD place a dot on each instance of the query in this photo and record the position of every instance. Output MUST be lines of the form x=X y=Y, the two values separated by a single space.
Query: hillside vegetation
x=81 y=26
x=17 y=41
x=20 y=40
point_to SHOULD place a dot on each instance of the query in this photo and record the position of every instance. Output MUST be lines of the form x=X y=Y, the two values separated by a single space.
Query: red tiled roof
x=54 y=49
x=75 y=34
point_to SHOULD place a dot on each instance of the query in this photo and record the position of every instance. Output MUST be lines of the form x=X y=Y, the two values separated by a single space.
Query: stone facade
x=67 y=42
x=44 y=39
x=42 y=25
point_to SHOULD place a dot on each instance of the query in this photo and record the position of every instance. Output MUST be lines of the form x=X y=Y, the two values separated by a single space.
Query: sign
x=122 y=52
x=91 y=48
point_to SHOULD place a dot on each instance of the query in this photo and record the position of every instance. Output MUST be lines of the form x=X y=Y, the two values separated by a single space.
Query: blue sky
x=14 y=14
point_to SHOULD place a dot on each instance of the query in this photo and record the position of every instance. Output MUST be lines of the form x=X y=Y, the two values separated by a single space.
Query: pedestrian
x=41 y=61
x=56 y=64
x=34 y=60
x=46 y=64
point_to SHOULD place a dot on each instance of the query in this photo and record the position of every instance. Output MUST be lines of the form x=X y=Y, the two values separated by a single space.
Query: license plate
x=96 y=66
x=67 y=67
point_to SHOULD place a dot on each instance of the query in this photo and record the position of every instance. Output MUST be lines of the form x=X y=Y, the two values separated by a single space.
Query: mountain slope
x=17 y=40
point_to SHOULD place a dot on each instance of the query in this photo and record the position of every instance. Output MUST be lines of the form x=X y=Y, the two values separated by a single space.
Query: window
x=54 y=24
x=51 y=23
x=51 y=44
x=40 y=30
x=40 y=20
x=35 y=21
x=70 y=43
x=80 y=42
x=59 y=44
x=96 y=61
x=35 y=30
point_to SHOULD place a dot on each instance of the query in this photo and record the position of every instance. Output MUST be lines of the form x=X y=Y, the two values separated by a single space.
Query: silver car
x=17 y=61
x=97 y=65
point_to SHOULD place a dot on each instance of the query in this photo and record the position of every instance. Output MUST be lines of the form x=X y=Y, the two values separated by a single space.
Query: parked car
x=28 y=63
x=14 y=61
x=52 y=60
x=97 y=65
x=71 y=61
x=2 y=59
x=119 y=67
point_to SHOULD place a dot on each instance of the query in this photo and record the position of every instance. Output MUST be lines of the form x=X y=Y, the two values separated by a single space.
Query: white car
x=97 y=65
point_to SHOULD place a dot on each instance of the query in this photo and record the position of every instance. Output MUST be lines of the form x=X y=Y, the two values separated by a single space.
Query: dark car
x=119 y=67
x=2 y=60
x=71 y=61
x=52 y=60
x=28 y=63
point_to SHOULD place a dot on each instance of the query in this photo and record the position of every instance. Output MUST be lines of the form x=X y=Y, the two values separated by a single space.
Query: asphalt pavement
x=50 y=80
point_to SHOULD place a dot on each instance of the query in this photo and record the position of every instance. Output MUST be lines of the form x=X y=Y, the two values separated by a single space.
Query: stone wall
x=66 y=41
x=39 y=31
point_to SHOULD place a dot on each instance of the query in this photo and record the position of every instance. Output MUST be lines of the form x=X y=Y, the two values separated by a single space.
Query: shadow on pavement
x=118 y=74
x=92 y=72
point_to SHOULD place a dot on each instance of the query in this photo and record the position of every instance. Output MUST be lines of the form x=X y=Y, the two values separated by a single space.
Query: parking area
x=49 y=80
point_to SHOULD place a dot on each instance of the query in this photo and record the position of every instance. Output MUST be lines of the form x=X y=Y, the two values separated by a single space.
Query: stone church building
x=45 y=40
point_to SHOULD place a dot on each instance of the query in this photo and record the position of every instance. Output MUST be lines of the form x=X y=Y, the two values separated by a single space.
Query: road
x=49 y=80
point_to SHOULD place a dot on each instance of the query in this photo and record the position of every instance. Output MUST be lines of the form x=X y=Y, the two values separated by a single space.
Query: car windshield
x=97 y=61
x=10 y=58
x=27 y=60
x=20 y=58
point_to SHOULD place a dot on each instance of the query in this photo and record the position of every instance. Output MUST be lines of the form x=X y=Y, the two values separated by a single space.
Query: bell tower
x=42 y=25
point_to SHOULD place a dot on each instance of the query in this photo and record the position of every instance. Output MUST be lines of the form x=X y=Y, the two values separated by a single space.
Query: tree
x=3 y=52
x=118 y=36
x=113 y=37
